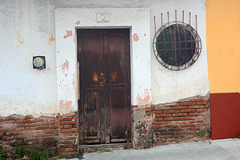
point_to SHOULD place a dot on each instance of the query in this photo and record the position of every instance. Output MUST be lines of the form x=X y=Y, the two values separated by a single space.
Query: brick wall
x=68 y=134
x=52 y=133
x=41 y=133
x=179 y=121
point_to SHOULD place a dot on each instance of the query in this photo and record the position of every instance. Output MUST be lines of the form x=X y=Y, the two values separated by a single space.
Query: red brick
x=27 y=117
x=68 y=130
x=196 y=114
x=30 y=125
x=202 y=110
x=180 y=107
x=196 y=106
x=12 y=119
x=65 y=134
x=46 y=124
x=162 y=115
x=202 y=125
x=188 y=125
x=67 y=119
x=33 y=131
x=187 y=110
x=67 y=138
x=197 y=99
x=68 y=122
x=187 y=103
x=53 y=127
x=188 y=118
x=179 y=115
x=171 y=118
x=30 y=121
x=162 y=108
x=203 y=103
x=67 y=145
x=158 y=119
x=171 y=111
x=14 y=133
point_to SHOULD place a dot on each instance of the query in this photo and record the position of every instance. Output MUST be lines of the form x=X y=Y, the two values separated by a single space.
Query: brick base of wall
x=181 y=120
x=57 y=134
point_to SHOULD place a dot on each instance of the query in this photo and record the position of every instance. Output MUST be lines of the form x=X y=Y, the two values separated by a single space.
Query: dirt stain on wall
x=19 y=38
x=50 y=37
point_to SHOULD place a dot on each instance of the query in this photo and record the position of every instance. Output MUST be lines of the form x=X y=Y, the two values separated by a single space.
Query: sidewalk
x=227 y=149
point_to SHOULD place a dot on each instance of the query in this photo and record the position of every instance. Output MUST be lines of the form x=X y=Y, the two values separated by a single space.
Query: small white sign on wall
x=102 y=17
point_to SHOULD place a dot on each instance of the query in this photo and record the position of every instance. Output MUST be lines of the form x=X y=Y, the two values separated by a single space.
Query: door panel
x=104 y=107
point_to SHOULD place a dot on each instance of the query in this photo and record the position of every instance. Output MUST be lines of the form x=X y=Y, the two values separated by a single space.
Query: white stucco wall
x=27 y=29
x=136 y=19
x=167 y=85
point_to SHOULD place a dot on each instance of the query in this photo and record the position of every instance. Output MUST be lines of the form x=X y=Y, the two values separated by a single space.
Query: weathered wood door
x=104 y=64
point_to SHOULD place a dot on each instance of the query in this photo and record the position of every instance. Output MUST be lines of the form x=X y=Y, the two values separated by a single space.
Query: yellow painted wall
x=223 y=45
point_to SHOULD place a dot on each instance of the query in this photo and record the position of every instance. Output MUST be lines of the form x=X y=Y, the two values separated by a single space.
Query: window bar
x=155 y=24
x=189 y=18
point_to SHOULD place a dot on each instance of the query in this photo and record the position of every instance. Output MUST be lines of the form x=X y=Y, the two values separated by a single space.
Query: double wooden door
x=104 y=106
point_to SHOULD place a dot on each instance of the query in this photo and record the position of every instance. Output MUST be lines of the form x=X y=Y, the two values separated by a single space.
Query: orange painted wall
x=223 y=45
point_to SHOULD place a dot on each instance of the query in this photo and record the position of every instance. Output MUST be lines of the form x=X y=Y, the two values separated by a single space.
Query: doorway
x=105 y=96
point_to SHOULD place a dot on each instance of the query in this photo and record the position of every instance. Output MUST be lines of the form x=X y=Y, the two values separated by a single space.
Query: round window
x=177 y=46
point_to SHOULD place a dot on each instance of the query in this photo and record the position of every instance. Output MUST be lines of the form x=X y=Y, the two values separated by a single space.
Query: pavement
x=225 y=149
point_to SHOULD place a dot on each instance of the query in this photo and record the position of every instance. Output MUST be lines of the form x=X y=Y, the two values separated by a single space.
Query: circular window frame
x=197 y=51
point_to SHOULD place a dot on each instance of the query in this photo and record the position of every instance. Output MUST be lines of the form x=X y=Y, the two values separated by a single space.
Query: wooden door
x=104 y=108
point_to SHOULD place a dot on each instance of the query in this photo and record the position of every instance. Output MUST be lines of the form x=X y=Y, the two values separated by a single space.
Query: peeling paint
x=65 y=65
x=69 y=34
x=95 y=77
x=145 y=99
x=65 y=106
x=114 y=76
x=19 y=38
x=50 y=37
x=77 y=23
x=135 y=37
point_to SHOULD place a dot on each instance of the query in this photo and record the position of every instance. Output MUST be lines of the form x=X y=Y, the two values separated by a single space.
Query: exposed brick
x=158 y=119
x=68 y=130
x=171 y=118
x=162 y=115
x=203 y=103
x=187 y=103
x=202 y=110
x=187 y=110
x=180 y=107
x=68 y=122
x=179 y=114
x=12 y=119
x=162 y=108
x=196 y=107
x=171 y=111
